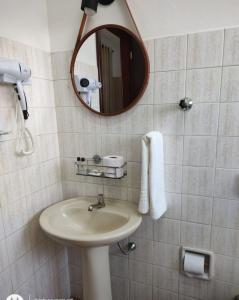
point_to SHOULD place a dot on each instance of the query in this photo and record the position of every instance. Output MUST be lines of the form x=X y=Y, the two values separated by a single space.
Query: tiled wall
x=30 y=263
x=201 y=158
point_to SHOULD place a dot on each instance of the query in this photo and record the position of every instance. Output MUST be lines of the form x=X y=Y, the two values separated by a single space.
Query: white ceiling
x=155 y=18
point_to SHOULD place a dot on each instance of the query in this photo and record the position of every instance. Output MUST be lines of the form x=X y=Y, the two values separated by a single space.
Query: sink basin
x=70 y=223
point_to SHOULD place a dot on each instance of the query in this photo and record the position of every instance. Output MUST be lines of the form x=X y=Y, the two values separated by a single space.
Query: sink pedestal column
x=96 y=273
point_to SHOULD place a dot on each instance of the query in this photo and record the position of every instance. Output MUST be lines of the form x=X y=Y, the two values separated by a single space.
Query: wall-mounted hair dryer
x=87 y=86
x=17 y=74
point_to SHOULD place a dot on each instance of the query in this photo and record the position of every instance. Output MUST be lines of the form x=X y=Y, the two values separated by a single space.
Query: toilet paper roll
x=114 y=173
x=113 y=161
x=194 y=263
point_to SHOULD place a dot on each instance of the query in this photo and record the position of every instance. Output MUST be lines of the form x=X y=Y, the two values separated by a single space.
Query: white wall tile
x=230 y=84
x=169 y=87
x=140 y=272
x=227 y=269
x=165 y=278
x=226 y=184
x=225 y=241
x=149 y=44
x=166 y=255
x=203 y=85
x=202 y=119
x=159 y=294
x=168 y=119
x=205 y=49
x=199 y=151
x=222 y=291
x=226 y=213
x=139 y=119
x=227 y=152
x=195 y=235
x=193 y=288
x=228 y=122
x=198 y=181
x=170 y=53
x=197 y=209
x=173 y=178
x=167 y=231
x=120 y=288
x=173 y=149
x=140 y=291
x=231 y=56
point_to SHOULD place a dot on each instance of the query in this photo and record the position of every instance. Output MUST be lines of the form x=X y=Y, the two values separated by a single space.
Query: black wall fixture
x=89 y=6
x=106 y=2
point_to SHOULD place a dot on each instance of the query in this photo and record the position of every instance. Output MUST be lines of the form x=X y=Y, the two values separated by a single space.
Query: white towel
x=152 y=195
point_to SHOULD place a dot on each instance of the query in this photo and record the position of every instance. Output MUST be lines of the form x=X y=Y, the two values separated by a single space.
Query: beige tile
x=226 y=184
x=222 y=291
x=64 y=93
x=197 y=209
x=120 y=288
x=144 y=250
x=149 y=44
x=166 y=255
x=231 y=56
x=173 y=149
x=18 y=244
x=193 y=287
x=146 y=229
x=229 y=123
x=4 y=261
x=165 y=278
x=227 y=152
x=140 y=291
x=203 y=85
x=198 y=181
x=202 y=119
x=139 y=119
x=167 y=231
x=140 y=272
x=199 y=151
x=119 y=266
x=195 y=235
x=205 y=49
x=173 y=179
x=226 y=213
x=148 y=96
x=159 y=294
x=5 y=284
x=230 y=84
x=227 y=269
x=225 y=241
x=114 y=144
x=168 y=119
x=134 y=174
x=116 y=124
x=61 y=64
x=133 y=145
x=174 y=206
x=170 y=53
x=169 y=87
x=21 y=270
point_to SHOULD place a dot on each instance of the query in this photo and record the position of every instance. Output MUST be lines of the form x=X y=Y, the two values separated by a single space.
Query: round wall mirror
x=110 y=70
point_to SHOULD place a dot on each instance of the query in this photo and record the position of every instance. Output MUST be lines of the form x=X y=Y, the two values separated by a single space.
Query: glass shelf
x=90 y=168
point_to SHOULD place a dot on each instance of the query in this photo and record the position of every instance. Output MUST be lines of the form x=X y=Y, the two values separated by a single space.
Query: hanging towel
x=152 y=194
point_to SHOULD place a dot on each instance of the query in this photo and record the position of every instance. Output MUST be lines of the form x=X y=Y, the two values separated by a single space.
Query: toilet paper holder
x=208 y=263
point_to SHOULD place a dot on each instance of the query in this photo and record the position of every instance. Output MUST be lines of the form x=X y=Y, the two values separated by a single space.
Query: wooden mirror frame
x=80 y=42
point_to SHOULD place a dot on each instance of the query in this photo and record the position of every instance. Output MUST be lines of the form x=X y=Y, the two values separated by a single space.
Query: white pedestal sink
x=69 y=222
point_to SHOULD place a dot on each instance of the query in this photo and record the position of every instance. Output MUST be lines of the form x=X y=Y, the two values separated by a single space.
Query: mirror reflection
x=110 y=70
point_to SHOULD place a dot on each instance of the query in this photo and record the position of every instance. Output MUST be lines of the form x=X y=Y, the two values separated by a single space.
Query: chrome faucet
x=100 y=203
